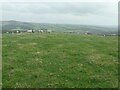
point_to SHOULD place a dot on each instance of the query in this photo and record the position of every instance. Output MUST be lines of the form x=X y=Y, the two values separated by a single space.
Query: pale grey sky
x=92 y=13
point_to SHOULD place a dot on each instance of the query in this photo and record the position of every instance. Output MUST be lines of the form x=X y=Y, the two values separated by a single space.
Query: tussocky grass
x=59 y=60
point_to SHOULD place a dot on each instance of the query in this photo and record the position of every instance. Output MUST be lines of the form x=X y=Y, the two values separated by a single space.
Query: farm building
x=88 y=33
x=30 y=31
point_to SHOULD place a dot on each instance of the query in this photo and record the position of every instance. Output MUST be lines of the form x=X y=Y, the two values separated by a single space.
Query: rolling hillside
x=12 y=25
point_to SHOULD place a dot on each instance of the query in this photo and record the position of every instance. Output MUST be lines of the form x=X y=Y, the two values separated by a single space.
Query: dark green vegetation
x=59 y=60
x=23 y=26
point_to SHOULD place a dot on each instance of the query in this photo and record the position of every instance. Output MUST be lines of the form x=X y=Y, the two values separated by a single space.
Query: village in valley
x=13 y=26
x=50 y=31
x=29 y=31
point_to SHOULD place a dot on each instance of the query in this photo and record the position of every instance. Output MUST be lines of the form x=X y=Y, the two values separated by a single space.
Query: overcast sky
x=90 y=13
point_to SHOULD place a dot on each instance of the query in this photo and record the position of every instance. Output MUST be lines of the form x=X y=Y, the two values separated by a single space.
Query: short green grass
x=0 y=61
x=59 y=60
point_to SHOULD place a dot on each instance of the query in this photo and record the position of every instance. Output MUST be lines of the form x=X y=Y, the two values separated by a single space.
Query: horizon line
x=57 y=23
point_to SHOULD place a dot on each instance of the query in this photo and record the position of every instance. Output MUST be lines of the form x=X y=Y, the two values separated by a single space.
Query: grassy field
x=59 y=60
x=0 y=61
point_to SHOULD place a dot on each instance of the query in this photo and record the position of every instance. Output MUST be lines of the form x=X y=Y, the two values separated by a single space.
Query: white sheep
x=41 y=31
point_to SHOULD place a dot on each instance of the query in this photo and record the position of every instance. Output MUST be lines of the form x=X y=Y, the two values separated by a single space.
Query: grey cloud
x=62 y=12
x=59 y=8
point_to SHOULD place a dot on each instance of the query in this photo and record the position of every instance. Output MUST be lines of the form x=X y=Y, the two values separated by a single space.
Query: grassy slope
x=0 y=61
x=59 y=60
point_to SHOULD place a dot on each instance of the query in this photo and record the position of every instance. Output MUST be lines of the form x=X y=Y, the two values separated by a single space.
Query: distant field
x=59 y=60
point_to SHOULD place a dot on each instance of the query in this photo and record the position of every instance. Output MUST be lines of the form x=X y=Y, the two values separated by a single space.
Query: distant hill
x=18 y=25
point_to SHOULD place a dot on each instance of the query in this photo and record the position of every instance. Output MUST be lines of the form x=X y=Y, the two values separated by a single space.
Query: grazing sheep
x=41 y=31
x=17 y=31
